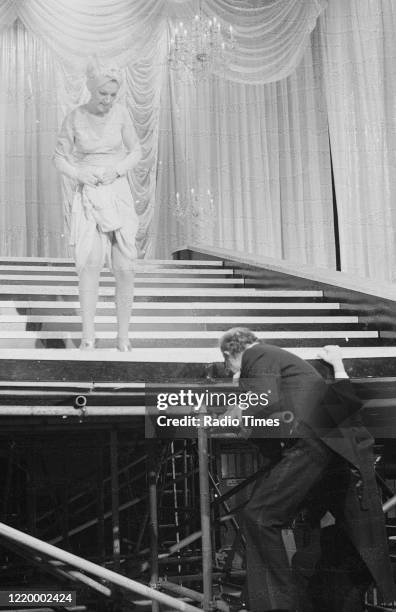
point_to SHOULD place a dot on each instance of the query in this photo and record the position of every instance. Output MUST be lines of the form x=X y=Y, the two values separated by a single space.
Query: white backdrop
x=263 y=152
x=358 y=44
x=256 y=137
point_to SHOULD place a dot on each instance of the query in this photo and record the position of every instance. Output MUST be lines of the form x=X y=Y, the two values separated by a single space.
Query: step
x=233 y=306
x=157 y=328
x=29 y=279
x=67 y=261
x=169 y=291
x=202 y=355
x=68 y=272
x=187 y=334
x=222 y=299
x=196 y=319
x=192 y=331
x=192 y=344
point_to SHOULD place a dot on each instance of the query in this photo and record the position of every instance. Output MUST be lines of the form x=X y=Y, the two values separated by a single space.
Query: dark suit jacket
x=320 y=410
x=331 y=413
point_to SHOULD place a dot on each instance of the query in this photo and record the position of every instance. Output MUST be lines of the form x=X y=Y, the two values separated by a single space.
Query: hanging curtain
x=32 y=220
x=359 y=65
x=44 y=55
x=270 y=36
x=262 y=153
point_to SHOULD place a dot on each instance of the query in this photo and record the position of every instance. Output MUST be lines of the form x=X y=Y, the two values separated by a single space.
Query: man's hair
x=235 y=340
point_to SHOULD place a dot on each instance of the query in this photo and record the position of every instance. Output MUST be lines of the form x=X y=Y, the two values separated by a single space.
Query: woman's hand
x=88 y=178
x=109 y=176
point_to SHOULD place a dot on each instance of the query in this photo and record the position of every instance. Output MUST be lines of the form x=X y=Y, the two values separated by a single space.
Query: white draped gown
x=96 y=142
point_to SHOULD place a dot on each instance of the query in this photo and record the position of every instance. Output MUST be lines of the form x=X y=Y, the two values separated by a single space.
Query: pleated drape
x=262 y=151
x=249 y=147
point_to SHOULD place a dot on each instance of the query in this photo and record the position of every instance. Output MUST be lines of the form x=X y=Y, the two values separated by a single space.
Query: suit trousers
x=276 y=499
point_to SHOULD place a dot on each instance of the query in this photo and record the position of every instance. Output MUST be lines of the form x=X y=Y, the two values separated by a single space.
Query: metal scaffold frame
x=68 y=566
x=77 y=569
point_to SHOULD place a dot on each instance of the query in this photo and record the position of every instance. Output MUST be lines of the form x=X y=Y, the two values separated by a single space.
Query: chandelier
x=196 y=213
x=200 y=47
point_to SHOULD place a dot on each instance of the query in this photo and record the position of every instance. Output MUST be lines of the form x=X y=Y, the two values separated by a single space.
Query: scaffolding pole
x=70 y=411
x=58 y=568
x=177 y=589
x=152 y=480
x=127 y=584
x=207 y=602
x=101 y=507
x=115 y=498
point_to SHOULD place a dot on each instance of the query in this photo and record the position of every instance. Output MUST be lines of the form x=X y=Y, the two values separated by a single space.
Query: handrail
x=127 y=584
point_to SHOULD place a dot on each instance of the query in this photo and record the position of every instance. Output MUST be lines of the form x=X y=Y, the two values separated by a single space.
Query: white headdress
x=99 y=73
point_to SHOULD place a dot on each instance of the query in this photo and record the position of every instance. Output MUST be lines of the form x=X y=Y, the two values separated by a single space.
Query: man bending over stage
x=325 y=466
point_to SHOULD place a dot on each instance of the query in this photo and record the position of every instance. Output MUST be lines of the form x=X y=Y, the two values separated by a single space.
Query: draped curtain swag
x=271 y=35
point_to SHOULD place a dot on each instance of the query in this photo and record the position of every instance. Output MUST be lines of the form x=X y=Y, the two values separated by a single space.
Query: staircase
x=181 y=309
x=177 y=305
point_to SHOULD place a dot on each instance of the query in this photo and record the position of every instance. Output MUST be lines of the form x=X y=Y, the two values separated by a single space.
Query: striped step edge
x=188 y=291
x=70 y=272
x=177 y=355
x=70 y=262
x=179 y=305
x=177 y=319
x=5 y=280
x=184 y=335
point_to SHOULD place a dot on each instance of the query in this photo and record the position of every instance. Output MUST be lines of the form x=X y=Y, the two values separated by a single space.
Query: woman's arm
x=64 y=149
x=63 y=156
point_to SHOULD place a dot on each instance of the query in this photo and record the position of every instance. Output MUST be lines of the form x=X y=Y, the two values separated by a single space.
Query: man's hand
x=88 y=178
x=332 y=355
x=109 y=176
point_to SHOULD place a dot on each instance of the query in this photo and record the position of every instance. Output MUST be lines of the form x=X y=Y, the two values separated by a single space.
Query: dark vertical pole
x=8 y=482
x=142 y=530
x=64 y=497
x=32 y=492
x=100 y=506
x=335 y=217
x=205 y=518
x=115 y=501
x=152 y=479
x=193 y=481
x=186 y=490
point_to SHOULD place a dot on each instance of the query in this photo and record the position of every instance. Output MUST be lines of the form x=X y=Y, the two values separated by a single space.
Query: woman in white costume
x=96 y=147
